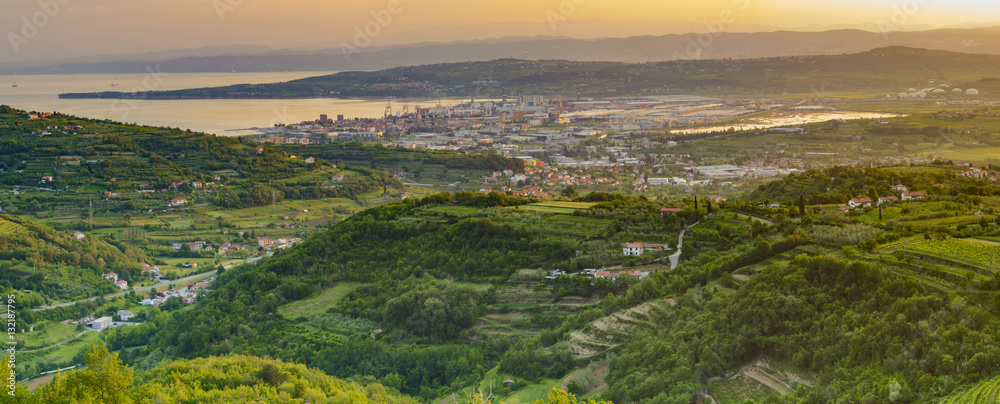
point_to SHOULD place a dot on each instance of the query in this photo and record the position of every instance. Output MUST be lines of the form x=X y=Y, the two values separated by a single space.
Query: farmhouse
x=670 y=211
x=111 y=276
x=899 y=188
x=196 y=245
x=123 y=285
x=887 y=200
x=177 y=202
x=635 y=249
x=910 y=196
x=857 y=202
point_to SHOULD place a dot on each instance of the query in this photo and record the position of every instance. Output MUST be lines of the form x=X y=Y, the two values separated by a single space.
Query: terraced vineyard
x=8 y=227
x=950 y=221
x=986 y=392
x=959 y=250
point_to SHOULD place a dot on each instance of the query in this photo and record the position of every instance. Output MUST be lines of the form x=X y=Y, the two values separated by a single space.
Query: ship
x=14 y=85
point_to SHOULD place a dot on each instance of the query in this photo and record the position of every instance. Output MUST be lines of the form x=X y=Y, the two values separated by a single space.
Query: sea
x=236 y=117
x=220 y=117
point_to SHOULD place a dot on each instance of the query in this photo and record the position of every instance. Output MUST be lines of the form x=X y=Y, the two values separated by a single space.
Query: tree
x=802 y=206
x=873 y=195
x=569 y=192
x=105 y=380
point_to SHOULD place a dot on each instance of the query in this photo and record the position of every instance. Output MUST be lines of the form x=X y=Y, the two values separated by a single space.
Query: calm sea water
x=40 y=93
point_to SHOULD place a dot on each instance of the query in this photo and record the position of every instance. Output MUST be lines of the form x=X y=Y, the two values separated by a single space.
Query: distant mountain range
x=632 y=50
x=881 y=71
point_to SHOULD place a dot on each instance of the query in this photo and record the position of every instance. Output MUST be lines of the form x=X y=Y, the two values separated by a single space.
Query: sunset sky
x=94 y=27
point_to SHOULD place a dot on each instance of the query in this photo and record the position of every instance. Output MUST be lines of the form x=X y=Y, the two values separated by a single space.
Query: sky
x=55 y=29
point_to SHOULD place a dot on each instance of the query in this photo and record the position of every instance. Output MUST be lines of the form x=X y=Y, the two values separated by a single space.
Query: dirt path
x=452 y=399
x=795 y=378
x=742 y=278
x=766 y=380
x=34 y=383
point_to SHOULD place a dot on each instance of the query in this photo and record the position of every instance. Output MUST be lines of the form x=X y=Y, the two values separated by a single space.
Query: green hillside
x=886 y=70
x=55 y=266
x=836 y=304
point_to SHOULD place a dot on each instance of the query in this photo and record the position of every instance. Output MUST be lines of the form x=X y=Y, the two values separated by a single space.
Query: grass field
x=57 y=356
x=319 y=302
x=52 y=333
x=556 y=207
x=977 y=155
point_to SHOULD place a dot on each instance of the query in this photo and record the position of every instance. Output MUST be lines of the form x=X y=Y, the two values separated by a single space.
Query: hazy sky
x=72 y=28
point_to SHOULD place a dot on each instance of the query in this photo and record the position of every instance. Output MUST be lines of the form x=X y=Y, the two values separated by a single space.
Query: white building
x=102 y=323
x=635 y=249
x=856 y=202
x=123 y=285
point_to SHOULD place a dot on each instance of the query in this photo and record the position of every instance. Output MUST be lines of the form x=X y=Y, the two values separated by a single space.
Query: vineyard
x=985 y=392
x=980 y=254
x=8 y=227
x=950 y=221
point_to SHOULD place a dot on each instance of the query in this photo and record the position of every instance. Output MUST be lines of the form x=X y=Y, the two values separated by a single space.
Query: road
x=165 y=283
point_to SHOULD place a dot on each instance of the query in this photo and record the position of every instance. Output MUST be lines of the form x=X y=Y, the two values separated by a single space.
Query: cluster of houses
x=528 y=192
x=188 y=295
x=981 y=172
x=280 y=243
x=594 y=273
x=224 y=248
x=907 y=195
x=113 y=277
x=151 y=271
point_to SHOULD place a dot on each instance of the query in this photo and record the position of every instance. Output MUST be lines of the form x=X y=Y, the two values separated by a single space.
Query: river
x=40 y=93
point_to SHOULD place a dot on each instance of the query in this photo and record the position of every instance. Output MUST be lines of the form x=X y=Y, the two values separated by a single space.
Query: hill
x=701 y=43
x=56 y=266
x=454 y=294
x=882 y=70
x=230 y=379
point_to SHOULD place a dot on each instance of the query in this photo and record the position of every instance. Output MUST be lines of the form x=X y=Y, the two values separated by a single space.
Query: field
x=985 y=392
x=556 y=207
x=319 y=302
x=56 y=356
x=978 y=155
x=7 y=227
x=966 y=254
x=757 y=381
